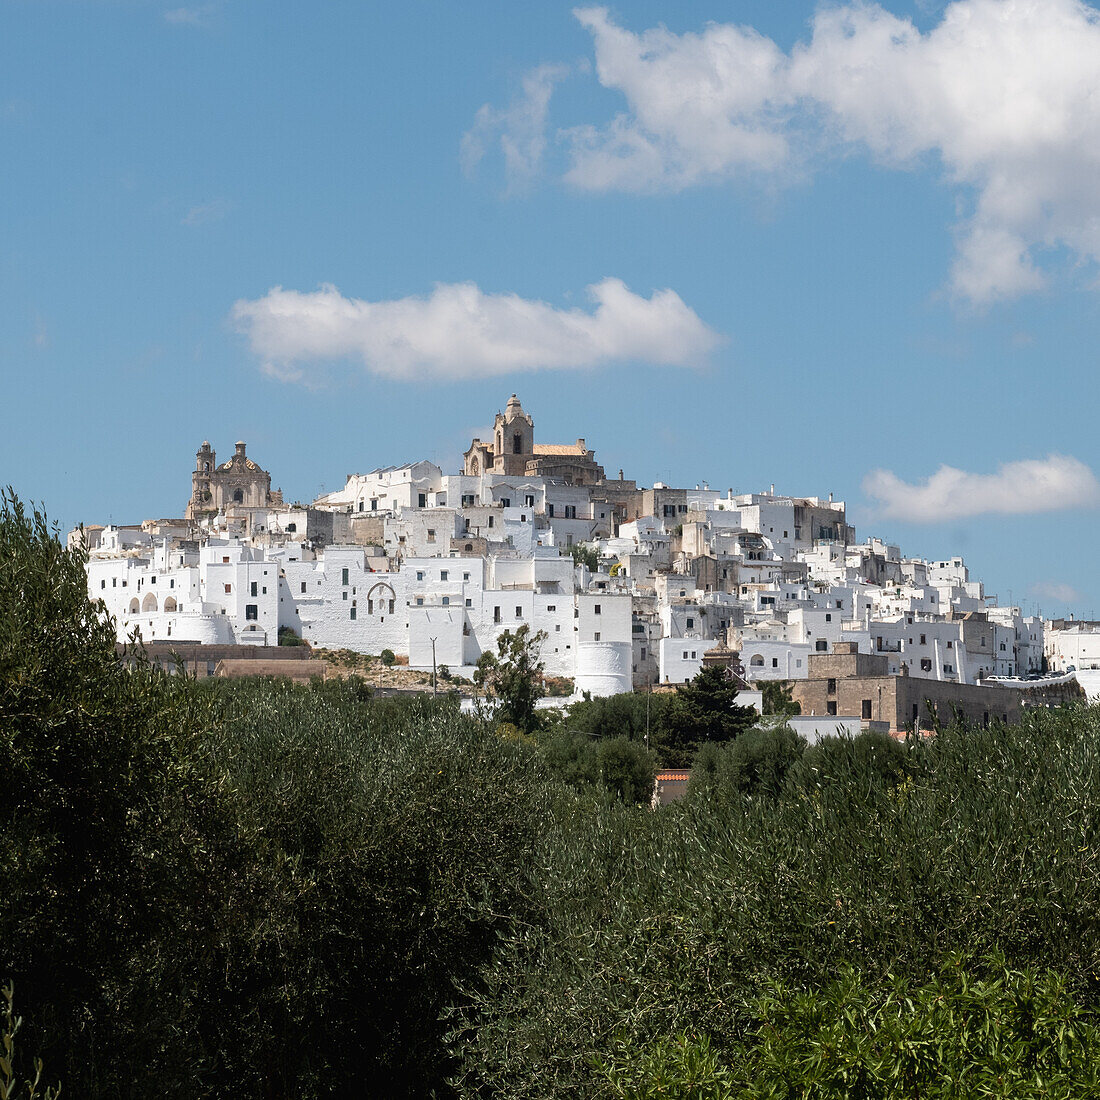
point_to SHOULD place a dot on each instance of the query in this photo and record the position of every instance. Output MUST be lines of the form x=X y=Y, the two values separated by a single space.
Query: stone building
x=513 y=451
x=847 y=682
x=237 y=483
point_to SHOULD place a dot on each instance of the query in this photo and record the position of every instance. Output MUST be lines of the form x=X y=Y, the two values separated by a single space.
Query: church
x=238 y=483
x=513 y=451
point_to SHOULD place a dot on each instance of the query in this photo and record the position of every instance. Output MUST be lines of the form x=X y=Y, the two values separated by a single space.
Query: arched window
x=238 y=496
x=206 y=467
x=757 y=661
x=134 y=606
x=517 y=443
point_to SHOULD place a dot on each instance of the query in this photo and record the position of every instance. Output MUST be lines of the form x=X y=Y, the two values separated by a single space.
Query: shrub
x=387 y=657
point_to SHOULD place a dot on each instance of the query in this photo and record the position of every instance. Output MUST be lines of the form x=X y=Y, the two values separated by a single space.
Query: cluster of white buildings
x=435 y=565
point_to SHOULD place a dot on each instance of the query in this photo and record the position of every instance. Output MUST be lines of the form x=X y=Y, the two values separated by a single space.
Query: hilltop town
x=632 y=586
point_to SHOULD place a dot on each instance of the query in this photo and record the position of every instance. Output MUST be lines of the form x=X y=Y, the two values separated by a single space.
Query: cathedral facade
x=513 y=451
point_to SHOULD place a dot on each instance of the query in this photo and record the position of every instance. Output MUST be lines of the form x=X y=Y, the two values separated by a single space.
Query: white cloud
x=1035 y=485
x=205 y=212
x=189 y=17
x=521 y=128
x=1003 y=95
x=459 y=331
x=1055 y=590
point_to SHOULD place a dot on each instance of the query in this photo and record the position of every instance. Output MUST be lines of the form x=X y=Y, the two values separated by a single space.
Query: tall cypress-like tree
x=704 y=710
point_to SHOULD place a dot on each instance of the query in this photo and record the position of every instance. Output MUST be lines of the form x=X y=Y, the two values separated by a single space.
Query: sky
x=842 y=248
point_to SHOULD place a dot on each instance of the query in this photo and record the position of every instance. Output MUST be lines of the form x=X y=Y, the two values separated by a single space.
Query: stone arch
x=149 y=603
x=170 y=603
x=381 y=599
x=756 y=661
x=135 y=607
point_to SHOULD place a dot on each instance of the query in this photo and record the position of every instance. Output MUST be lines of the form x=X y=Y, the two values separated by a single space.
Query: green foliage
x=682 y=1068
x=703 y=710
x=387 y=657
x=571 y=757
x=9 y=1073
x=776 y=698
x=97 y=782
x=984 y=1031
x=1001 y=1033
x=631 y=715
x=512 y=677
x=627 y=769
x=585 y=555
x=680 y=921
x=756 y=764
x=288 y=637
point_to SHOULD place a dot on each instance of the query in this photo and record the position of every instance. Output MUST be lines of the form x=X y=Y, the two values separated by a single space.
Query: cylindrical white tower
x=603 y=668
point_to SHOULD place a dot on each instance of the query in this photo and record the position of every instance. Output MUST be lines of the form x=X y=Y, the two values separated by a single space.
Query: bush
x=387 y=657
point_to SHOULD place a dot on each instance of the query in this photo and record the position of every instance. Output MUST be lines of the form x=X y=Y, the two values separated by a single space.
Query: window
x=828 y=617
x=351 y=613
x=252 y=588
x=551 y=607
x=103 y=583
x=685 y=654
x=830 y=686
x=228 y=588
x=948 y=645
x=496 y=614
x=506 y=502
x=343 y=576
x=596 y=636
x=490 y=521
x=419 y=601
x=519 y=612
x=419 y=576
x=251 y=611
x=925 y=665
x=345 y=595
x=775 y=662
x=443 y=574
x=225 y=561
x=303 y=586
x=466 y=576
x=431 y=534
x=550 y=510
x=374 y=505
x=690 y=623
x=529 y=500
x=421 y=500
x=446 y=601
x=830 y=707
x=821 y=645
x=923 y=640
x=867 y=709
x=596 y=611
x=469 y=602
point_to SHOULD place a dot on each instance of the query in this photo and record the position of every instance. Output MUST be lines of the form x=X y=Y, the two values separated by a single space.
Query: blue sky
x=827 y=242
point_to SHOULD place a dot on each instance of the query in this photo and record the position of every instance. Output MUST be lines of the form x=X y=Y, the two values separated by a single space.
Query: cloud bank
x=1036 y=485
x=1055 y=590
x=1002 y=95
x=459 y=331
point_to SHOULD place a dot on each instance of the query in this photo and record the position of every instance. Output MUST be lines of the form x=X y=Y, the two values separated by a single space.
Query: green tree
x=627 y=769
x=755 y=764
x=585 y=555
x=96 y=848
x=704 y=710
x=512 y=677
x=776 y=698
